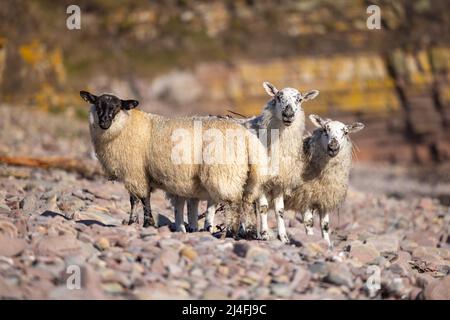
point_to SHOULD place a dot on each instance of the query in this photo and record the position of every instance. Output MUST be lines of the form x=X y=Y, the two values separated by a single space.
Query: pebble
x=438 y=289
x=429 y=255
x=189 y=253
x=340 y=275
x=58 y=245
x=241 y=249
x=8 y=229
x=102 y=243
x=364 y=253
x=160 y=292
x=384 y=243
x=11 y=247
x=281 y=290
x=215 y=293
x=258 y=254
x=319 y=267
x=29 y=203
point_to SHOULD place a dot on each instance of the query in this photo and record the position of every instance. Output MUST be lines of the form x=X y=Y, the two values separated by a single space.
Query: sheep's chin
x=332 y=153
x=105 y=126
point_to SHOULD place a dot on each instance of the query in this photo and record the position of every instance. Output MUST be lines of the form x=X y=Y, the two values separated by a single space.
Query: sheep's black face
x=107 y=106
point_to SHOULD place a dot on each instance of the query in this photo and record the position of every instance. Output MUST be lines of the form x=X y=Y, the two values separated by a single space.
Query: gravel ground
x=392 y=231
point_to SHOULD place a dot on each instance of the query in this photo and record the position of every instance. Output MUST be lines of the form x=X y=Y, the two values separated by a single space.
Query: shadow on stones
x=88 y=223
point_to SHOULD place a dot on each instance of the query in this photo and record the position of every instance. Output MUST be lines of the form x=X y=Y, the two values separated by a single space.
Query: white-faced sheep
x=138 y=149
x=325 y=173
x=282 y=115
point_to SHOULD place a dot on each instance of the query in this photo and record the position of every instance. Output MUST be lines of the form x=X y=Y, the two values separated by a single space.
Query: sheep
x=327 y=157
x=178 y=202
x=134 y=147
x=282 y=115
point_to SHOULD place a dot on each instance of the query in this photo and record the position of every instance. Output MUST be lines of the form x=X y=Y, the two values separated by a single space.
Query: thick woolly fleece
x=285 y=152
x=325 y=179
x=137 y=150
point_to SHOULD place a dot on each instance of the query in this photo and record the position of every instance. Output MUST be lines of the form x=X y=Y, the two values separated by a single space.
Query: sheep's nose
x=333 y=144
x=288 y=112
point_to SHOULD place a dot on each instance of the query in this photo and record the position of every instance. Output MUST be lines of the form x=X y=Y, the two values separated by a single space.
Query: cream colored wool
x=327 y=157
x=325 y=179
x=282 y=116
x=137 y=150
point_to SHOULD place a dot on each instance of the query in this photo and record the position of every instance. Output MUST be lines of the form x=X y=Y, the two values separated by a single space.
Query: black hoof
x=149 y=223
x=190 y=229
x=133 y=220
x=264 y=236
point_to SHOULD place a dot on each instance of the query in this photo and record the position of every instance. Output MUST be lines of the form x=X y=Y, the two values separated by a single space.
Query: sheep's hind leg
x=134 y=218
x=263 y=208
x=179 y=214
x=148 y=218
x=209 y=218
x=279 y=212
x=192 y=207
x=308 y=221
x=324 y=226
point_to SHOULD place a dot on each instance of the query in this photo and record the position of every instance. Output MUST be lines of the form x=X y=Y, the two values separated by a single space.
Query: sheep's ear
x=355 y=127
x=88 y=97
x=270 y=88
x=317 y=121
x=129 y=104
x=310 y=95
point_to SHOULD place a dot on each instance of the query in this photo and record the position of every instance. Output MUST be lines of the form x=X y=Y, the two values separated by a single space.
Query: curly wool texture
x=325 y=179
x=137 y=150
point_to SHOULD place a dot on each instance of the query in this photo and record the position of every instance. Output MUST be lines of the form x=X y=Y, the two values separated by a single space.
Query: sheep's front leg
x=279 y=212
x=324 y=226
x=134 y=218
x=179 y=214
x=308 y=221
x=192 y=207
x=148 y=218
x=209 y=218
x=263 y=208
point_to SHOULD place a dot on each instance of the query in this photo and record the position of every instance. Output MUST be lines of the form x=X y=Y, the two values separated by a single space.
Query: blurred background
x=206 y=57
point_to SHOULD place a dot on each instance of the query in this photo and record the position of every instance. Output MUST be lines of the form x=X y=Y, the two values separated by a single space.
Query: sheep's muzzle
x=333 y=148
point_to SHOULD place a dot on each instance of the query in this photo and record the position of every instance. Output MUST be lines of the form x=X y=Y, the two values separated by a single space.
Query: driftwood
x=86 y=168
